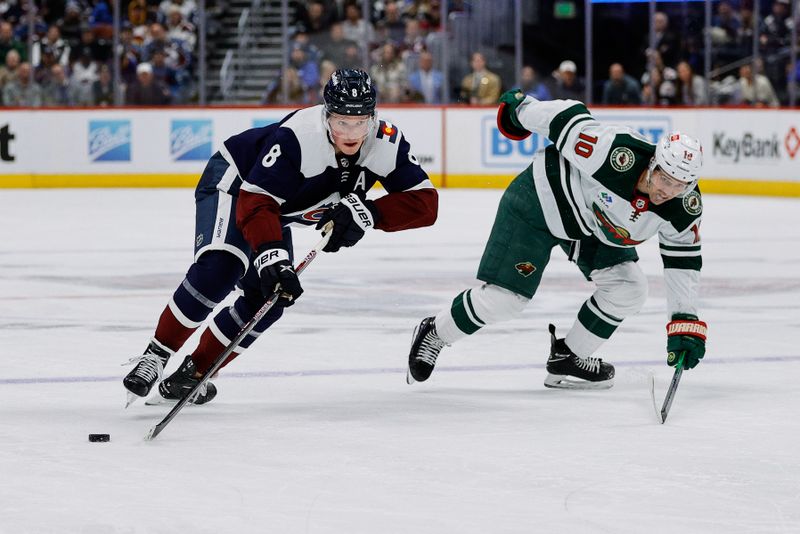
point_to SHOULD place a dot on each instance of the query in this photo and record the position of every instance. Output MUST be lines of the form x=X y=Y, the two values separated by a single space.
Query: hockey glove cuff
x=275 y=270
x=351 y=217
x=507 y=121
x=686 y=335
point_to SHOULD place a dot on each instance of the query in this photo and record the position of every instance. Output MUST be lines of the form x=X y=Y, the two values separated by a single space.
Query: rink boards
x=747 y=151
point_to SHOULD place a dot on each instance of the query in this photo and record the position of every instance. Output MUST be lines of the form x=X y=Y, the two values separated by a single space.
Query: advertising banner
x=746 y=151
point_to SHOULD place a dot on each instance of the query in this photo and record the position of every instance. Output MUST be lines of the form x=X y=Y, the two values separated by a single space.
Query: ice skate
x=149 y=368
x=176 y=385
x=565 y=370
x=425 y=348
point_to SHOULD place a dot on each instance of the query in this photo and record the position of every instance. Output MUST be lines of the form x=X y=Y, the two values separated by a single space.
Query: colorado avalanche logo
x=525 y=268
x=692 y=203
x=622 y=159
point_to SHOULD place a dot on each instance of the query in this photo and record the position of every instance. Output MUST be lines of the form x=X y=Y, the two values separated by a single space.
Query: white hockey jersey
x=586 y=182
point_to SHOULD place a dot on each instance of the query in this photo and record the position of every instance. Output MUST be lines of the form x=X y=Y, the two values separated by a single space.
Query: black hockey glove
x=507 y=120
x=274 y=268
x=686 y=335
x=351 y=218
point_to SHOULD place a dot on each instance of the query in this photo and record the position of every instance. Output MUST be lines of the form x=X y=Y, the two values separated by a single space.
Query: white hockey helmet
x=680 y=156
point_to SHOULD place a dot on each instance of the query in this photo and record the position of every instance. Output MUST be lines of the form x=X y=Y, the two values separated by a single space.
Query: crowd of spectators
x=400 y=43
x=401 y=40
x=71 y=57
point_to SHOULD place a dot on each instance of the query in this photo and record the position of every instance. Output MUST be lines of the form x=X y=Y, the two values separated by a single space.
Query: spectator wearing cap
x=20 y=91
x=531 y=85
x=146 y=91
x=621 y=89
x=566 y=84
x=9 y=42
x=426 y=82
x=481 y=86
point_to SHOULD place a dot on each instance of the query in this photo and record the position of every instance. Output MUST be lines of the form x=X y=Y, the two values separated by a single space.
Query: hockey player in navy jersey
x=596 y=192
x=314 y=166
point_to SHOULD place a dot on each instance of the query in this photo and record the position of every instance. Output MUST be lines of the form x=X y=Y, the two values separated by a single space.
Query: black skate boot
x=181 y=381
x=149 y=368
x=563 y=364
x=425 y=348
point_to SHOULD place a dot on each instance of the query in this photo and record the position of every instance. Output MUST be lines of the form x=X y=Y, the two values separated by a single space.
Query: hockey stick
x=673 y=387
x=246 y=329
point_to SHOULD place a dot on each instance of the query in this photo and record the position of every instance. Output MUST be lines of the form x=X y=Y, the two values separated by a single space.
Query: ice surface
x=315 y=429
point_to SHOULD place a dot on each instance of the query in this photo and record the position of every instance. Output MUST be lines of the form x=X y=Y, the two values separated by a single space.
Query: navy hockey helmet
x=350 y=92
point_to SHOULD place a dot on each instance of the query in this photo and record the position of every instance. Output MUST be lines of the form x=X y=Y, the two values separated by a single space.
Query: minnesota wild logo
x=615 y=234
x=692 y=203
x=622 y=159
x=525 y=268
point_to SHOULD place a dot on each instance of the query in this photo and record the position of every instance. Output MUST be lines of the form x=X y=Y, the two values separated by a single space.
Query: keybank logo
x=110 y=140
x=499 y=152
x=191 y=140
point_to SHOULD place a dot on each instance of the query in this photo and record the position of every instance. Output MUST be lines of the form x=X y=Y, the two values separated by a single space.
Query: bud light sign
x=190 y=140
x=110 y=140
x=497 y=151
x=500 y=152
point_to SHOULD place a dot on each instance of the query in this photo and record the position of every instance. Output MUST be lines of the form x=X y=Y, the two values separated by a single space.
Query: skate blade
x=132 y=398
x=563 y=382
x=410 y=379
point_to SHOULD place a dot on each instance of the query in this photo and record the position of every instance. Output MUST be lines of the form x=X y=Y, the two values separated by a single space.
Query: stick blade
x=155 y=431
x=652 y=382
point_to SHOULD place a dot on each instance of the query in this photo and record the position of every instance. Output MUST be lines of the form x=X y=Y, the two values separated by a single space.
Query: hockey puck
x=95 y=438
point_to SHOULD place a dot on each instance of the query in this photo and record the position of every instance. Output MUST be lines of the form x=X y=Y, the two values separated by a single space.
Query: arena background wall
x=748 y=151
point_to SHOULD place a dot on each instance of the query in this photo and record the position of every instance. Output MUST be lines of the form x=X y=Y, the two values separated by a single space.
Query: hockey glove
x=351 y=218
x=275 y=269
x=686 y=335
x=507 y=121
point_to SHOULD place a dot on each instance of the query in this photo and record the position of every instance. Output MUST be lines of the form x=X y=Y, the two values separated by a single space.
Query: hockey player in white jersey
x=314 y=166
x=596 y=192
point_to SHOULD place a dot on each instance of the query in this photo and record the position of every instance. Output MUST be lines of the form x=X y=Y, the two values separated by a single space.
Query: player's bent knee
x=621 y=290
x=493 y=303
